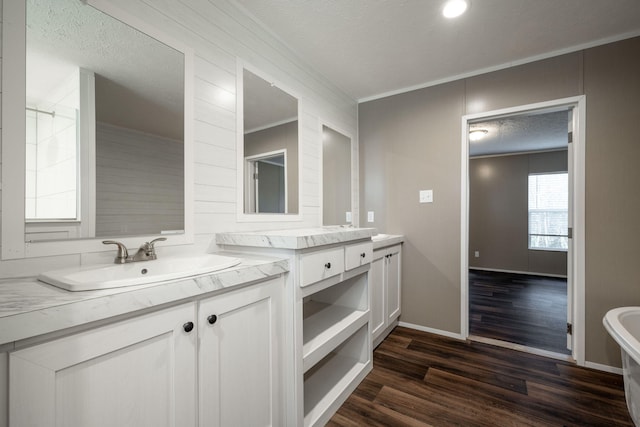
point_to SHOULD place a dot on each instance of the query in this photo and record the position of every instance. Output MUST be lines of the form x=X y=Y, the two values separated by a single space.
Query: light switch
x=348 y=219
x=370 y=216
x=426 y=196
x=477 y=254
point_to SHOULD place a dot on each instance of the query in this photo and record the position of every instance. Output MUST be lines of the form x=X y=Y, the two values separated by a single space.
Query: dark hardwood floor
x=518 y=308
x=420 y=379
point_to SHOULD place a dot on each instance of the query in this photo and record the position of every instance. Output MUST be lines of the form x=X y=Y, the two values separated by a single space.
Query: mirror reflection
x=104 y=126
x=336 y=177
x=270 y=119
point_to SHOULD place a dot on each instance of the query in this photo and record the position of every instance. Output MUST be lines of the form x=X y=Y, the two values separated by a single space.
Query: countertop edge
x=70 y=314
x=388 y=240
x=294 y=239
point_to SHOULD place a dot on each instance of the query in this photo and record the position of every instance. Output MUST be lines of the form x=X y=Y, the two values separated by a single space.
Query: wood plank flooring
x=421 y=379
x=518 y=308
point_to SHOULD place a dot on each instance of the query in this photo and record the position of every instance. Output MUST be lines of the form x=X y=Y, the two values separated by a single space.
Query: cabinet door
x=138 y=372
x=240 y=354
x=393 y=284
x=376 y=284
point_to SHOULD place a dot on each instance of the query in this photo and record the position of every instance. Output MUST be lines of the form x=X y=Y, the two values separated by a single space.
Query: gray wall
x=411 y=141
x=278 y=138
x=336 y=177
x=139 y=182
x=498 y=213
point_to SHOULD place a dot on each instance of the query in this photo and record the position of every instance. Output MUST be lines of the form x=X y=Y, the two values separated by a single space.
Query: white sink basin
x=379 y=237
x=136 y=273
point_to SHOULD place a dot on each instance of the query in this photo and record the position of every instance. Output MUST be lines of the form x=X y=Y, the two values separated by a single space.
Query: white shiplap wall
x=220 y=33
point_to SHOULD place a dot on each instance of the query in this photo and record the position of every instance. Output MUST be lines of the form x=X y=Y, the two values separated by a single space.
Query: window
x=549 y=211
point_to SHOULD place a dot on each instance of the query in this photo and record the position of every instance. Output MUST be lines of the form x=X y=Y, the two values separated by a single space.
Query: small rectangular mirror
x=270 y=148
x=336 y=177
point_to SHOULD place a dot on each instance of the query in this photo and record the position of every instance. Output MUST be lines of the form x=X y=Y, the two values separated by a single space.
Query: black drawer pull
x=212 y=319
x=327 y=265
x=188 y=327
x=363 y=254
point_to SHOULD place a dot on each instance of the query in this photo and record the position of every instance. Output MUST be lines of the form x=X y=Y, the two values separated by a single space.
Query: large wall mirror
x=336 y=177
x=97 y=137
x=268 y=149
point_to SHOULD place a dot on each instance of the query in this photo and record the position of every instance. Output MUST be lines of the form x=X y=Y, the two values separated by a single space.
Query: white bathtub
x=623 y=324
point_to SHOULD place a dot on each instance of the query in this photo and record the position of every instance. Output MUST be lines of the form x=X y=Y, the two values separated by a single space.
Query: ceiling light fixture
x=477 y=134
x=454 y=8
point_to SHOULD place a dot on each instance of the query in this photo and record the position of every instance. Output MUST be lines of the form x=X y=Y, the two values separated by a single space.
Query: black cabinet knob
x=212 y=319
x=363 y=254
x=188 y=327
x=327 y=265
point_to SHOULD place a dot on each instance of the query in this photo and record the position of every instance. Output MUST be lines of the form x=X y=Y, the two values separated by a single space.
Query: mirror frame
x=242 y=65
x=355 y=220
x=13 y=137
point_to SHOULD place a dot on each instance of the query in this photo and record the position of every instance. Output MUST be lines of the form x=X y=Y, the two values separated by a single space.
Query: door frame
x=577 y=262
x=251 y=186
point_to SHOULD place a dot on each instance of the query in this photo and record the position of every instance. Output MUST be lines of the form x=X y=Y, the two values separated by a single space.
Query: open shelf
x=325 y=327
x=330 y=381
x=332 y=315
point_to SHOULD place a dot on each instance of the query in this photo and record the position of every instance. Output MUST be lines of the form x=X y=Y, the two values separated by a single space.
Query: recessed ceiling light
x=454 y=8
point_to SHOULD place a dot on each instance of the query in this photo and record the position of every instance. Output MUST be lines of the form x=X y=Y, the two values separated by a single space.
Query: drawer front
x=320 y=265
x=357 y=255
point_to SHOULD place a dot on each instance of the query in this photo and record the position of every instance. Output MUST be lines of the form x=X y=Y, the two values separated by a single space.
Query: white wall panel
x=213 y=193
x=214 y=135
x=212 y=73
x=209 y=154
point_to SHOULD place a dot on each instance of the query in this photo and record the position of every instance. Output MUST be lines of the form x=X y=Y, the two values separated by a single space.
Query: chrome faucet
x=146 y=251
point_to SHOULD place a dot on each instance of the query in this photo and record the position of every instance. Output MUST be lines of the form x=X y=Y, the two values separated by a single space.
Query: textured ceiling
x=521 y=133
x=373 y=47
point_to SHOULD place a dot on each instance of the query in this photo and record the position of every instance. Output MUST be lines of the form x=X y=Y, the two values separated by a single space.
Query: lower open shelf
x=337 y=374
x=326 y=326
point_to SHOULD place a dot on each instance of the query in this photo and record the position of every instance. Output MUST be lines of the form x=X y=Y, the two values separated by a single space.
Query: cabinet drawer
x=320 y=265
x=357 y=255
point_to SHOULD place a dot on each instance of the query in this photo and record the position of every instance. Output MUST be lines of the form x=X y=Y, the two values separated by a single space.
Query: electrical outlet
x=426 y=196
x=348 y=219
x=370 y=216
x=477 y=254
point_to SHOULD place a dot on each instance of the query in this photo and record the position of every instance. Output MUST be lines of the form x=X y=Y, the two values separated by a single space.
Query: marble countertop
x=301 y=238
x=29 y=308
x=384 y=240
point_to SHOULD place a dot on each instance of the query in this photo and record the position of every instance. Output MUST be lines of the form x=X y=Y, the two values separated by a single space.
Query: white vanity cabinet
x=336 y=346
x=240 y=357
x=216 y=360
x=136 y=372
x=385 y=283
x=327 y=305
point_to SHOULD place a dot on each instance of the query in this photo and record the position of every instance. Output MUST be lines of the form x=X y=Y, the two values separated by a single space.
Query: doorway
x=512 y=238
x=266 y=182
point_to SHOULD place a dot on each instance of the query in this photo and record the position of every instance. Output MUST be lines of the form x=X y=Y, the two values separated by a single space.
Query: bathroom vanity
x=283 y=338
x=327 y=313
x=181 y=352
x=386 y=285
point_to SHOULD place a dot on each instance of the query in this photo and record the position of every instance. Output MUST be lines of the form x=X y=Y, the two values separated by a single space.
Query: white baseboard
x=605 y=368
x=530 y=273
x=432 y=330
